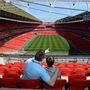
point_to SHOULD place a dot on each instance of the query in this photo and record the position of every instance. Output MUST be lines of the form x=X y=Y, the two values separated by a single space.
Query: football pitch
x=43 y=42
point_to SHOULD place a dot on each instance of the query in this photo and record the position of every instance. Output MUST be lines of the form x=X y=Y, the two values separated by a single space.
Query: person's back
x=50 y=68
x=30 y=70
x=34 y=70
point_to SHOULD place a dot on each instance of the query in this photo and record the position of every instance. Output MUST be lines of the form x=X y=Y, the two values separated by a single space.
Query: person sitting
x=34 y=70
x=50 y=68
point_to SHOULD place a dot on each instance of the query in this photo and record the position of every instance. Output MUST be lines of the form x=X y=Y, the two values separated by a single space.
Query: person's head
x=50 y=61
x=39 y=56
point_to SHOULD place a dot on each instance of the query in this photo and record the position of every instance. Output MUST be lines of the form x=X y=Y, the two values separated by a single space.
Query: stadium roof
x=7 y=7
x=85 y=16
x=51 y=10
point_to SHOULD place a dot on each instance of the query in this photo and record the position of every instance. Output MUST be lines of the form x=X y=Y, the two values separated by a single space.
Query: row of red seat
x=70 y=68
x=66 y=69
x=29 y=84
x=16 y=67
x=76 y=82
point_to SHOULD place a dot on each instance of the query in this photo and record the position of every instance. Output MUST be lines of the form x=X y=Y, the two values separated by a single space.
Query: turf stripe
x=53 y=42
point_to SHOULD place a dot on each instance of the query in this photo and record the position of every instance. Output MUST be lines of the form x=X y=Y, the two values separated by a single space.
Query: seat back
x=58 y=85
x=29 y=83
x=76 y=76
x=78 y=84
x=65 y=71
x=9 y=83
x=11 y=75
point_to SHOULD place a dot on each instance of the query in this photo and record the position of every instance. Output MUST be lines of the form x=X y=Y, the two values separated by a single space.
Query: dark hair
x=50 y=61
x=39 y=56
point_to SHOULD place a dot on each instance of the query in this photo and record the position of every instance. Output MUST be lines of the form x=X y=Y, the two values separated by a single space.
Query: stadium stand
x=76 y=30
x=18 y=42
x=77 y=33
x=72 y=32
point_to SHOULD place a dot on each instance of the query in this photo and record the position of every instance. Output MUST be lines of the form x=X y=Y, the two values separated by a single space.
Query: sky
x=51 y=14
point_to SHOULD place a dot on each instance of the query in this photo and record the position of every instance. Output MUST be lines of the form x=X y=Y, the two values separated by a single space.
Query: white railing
x=58 y=58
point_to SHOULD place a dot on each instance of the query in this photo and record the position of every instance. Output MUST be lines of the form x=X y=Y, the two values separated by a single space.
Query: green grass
x=53 y=42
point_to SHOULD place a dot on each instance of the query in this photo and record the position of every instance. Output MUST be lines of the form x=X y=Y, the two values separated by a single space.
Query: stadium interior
x=22 y=34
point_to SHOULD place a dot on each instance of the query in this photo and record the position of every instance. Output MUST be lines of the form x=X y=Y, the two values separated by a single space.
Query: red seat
x=14 y=69
x=78 y=84
x=58 y=85
x=76 y=76
x=8 y=83
x=11 y=75
x=29 y=83
x=66 y=71
x=80 y=71
x=3 y=69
